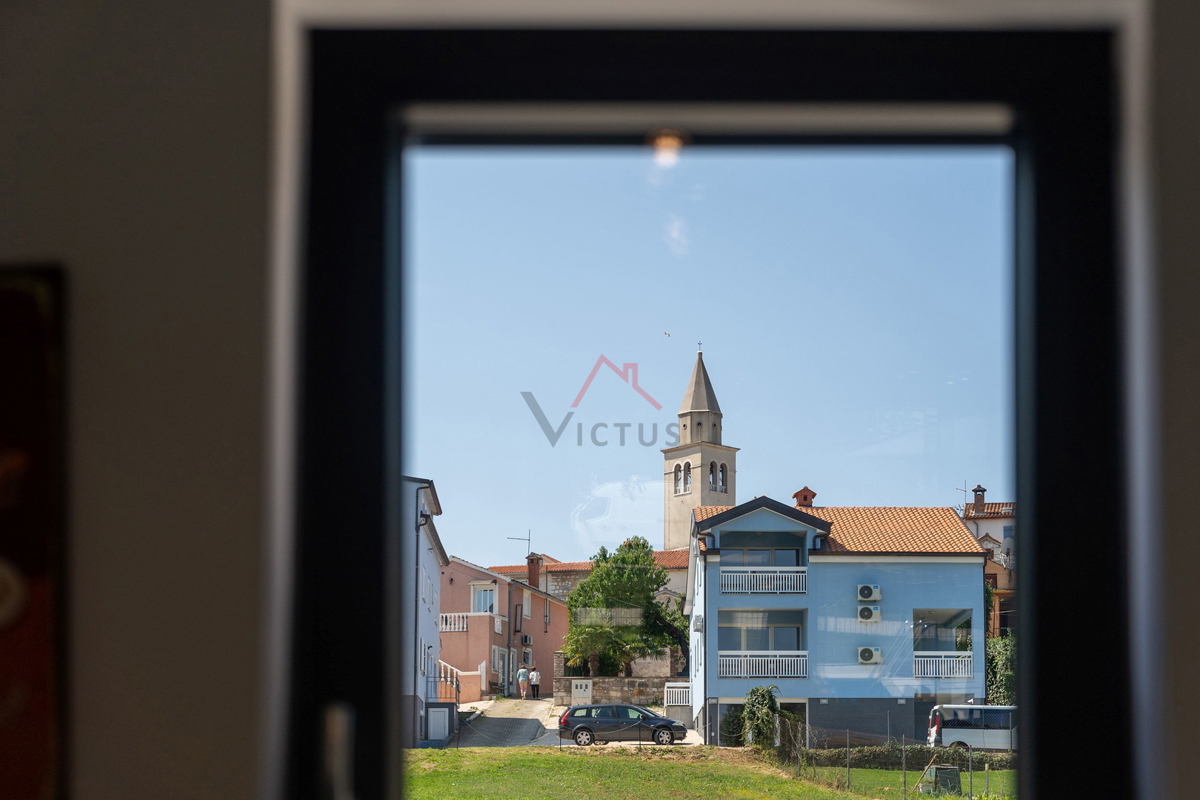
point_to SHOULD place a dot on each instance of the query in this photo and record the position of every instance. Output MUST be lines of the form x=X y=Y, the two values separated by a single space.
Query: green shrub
x=889 y=757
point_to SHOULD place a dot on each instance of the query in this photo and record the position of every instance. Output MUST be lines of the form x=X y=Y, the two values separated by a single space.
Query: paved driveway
x=509 y=723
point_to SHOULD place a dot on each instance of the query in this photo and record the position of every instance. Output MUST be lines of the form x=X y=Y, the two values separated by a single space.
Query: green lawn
x=884 y=783
x=614 y=773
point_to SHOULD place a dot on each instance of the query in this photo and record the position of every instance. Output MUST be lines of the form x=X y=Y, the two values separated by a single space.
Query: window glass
x=787 y=638
x=485 y=599
x=605 y=712
x=731 y=558
x=758 y=558
x=729 y=638
x=787 y=558
x=758 y=638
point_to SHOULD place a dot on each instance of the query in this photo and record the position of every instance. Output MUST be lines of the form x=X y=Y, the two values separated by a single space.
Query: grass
x=548 y=773
x=884 y=783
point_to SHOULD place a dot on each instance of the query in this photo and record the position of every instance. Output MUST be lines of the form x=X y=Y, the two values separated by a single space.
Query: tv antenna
x=528 y=538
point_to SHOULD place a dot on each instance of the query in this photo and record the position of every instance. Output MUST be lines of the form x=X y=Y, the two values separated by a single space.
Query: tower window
x=687 y=477
x=678 y=479
x=712 y=475
x=722 y=479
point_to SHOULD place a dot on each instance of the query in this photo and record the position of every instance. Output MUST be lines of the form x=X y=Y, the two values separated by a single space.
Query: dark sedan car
x=614 y=722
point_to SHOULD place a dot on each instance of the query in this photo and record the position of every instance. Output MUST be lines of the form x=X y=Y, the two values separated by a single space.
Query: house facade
x=492 y=624
x=864 y=618
x=426 y=704
x=560 y=577
x=994 y=526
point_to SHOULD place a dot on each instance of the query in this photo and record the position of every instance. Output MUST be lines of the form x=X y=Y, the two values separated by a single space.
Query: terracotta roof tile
x=885 y=529
x=667 y=559
x=702 y=513
x=990 y=511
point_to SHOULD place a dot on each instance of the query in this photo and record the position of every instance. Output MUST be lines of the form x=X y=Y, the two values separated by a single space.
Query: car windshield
x=647 y=711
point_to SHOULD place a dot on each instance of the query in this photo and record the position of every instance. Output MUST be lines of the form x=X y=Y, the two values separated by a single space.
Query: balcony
x=942 y=665
x=452 y=623
x=718 y=489
x=762 y=664
x=764 y=580
x=677 y=694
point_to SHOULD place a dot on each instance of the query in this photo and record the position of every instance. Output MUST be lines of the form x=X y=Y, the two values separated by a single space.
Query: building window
x=941 y=630
x=424 y=586
x=527 y=606
x=687 y=478
x=760 y=631
x=678 y=479
x=547 y=613
x=483 y=599
x=761 y=557
x=712 y=475
x=722 y=479
x=527 y=656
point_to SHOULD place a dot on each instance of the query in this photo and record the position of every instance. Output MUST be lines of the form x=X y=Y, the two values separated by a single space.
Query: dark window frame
x=1063 y=88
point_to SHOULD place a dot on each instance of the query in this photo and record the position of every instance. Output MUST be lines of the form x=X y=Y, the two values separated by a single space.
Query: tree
x=619 y=596
x=1001 y=670
x=759 y=715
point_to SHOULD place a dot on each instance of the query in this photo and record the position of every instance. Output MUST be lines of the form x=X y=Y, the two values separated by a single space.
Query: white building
x=423 y=557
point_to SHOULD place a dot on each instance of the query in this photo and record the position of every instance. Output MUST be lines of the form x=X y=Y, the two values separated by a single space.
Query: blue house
x=864 y=618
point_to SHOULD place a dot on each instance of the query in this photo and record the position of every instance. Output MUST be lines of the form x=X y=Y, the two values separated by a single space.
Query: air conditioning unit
x=868 y=592
x=526 y=639
x=698 y=623
x=870 y=655
x=869 y=614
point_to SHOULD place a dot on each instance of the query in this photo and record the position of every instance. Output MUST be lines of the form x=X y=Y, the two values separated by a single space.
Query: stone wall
x=639 y=691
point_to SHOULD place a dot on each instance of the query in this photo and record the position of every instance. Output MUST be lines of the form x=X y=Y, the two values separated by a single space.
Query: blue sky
x=854 y=306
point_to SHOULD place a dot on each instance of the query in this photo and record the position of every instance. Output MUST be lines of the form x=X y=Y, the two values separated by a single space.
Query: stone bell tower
x=699 y=471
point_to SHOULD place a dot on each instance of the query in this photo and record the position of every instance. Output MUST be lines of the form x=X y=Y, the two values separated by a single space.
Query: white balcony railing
x=764 y=580
x=452 y=623
x=942 y=665
x=677 y=694
x=712 y=487
x=762 y=664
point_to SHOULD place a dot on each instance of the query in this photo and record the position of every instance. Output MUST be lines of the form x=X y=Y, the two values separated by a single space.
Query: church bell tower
x=699 y=471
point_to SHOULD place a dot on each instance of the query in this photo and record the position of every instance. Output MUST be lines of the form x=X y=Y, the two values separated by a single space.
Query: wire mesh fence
x=888 y=765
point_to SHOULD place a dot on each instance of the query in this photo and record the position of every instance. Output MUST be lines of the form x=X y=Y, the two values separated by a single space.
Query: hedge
x=889 y=756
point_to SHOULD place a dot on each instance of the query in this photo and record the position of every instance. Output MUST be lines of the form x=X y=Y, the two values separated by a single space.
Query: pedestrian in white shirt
x=535 y=678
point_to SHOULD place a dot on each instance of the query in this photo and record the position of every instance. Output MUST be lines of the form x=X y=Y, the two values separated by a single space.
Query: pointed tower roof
x=699 y=395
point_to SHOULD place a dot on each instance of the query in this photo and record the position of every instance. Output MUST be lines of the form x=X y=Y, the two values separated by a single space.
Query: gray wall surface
x=133 y=148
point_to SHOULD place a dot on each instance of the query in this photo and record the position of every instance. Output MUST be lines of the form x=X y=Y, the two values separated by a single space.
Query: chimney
x=804 y=497
x=533 y=568
x=979 y=492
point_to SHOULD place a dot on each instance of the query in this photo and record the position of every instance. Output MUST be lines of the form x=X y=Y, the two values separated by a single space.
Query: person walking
x=523 y=680
x=535 y=679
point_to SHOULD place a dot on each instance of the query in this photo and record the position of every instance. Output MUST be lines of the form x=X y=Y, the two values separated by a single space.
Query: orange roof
x=667 y=559
x=990 y=510
x=702 y=513
x=886 y=529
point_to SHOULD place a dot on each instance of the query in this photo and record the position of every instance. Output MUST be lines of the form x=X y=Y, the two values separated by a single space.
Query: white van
x=978 y=727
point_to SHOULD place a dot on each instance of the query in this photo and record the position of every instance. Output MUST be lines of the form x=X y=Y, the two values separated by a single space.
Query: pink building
x=492 y=625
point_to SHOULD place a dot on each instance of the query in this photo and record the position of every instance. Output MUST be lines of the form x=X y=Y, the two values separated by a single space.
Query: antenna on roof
x=527 y=538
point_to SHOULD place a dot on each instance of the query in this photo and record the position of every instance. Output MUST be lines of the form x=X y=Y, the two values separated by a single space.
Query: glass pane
x=758 y=638
x=787 y=638
x=732 y=558
x=729 y=639
x=758 y=558
x=787 y=558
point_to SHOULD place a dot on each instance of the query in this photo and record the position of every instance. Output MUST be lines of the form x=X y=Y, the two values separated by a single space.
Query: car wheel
x=664 y=736
x=584 y=738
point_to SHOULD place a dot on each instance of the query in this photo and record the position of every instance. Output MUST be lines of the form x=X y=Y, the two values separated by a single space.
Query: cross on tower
x=699 y=345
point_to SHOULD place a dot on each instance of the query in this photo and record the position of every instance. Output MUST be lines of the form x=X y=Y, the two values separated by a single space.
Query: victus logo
x=598 y=434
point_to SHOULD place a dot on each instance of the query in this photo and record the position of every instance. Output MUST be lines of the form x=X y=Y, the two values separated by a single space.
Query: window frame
x=1063 y=88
